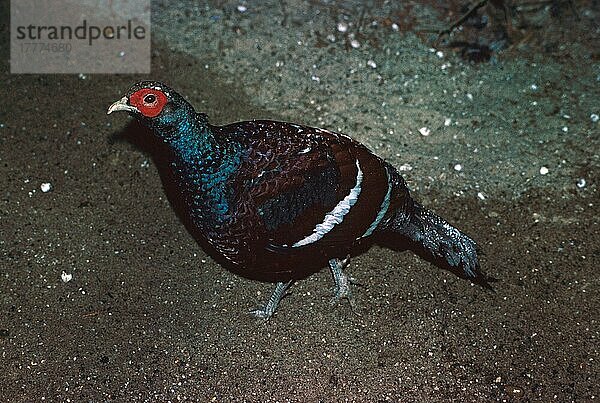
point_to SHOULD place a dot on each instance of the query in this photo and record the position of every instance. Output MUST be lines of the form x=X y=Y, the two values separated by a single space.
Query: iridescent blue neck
x=204 y=163
x=194 y=143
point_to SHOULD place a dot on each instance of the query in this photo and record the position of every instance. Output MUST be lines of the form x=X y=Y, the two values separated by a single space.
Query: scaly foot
x=342 y=281
x=278 y=294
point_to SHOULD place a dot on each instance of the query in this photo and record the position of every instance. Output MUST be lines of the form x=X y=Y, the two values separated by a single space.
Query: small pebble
x=447 y=122
x=581 y=183
x=82 y=76
x=424 y=131
x=458 y=167
x=514 y=391
x=122 y=53
x=65 y=277
x=565 y=129
x=371 y=64
x=395 y=27
x=355 y=44
x=46 y=187
x=342 y=26
x=242 y=9
x=481 y=196
x=534 y=87
x=543 y=171
x=594 y=117
x=439 y=54
x=470 y=96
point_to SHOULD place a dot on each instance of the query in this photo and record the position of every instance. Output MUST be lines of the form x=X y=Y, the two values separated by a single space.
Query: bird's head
x=155 y=105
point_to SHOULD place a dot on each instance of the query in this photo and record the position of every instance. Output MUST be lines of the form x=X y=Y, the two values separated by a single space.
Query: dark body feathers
x=289 y=178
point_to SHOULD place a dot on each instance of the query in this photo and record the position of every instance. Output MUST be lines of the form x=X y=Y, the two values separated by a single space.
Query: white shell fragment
x=65 y=277
x=581 y=183
x=371 y=64
x=46 y=187
x=544 y=171
x=594 y=117
x=458 y=167
x=425 y=131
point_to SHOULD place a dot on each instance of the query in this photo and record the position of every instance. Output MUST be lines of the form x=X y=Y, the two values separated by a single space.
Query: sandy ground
x=148 y=316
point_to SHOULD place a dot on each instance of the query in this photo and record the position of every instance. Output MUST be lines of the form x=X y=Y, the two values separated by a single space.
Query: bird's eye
x=149 y=99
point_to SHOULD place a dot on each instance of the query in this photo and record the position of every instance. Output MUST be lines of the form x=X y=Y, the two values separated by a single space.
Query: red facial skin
x=147 y=105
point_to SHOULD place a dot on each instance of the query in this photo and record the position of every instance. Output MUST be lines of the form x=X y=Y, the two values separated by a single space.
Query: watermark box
x=80 y=36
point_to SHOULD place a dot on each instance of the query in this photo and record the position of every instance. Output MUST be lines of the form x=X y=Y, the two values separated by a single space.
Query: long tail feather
x=441 y=240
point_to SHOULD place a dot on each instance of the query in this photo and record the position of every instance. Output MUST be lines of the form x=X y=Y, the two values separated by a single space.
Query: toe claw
x=341 y=293
x=260 y=313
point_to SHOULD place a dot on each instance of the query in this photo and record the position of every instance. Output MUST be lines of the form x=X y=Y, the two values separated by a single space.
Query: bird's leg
x=278 y=293
x=342 y=281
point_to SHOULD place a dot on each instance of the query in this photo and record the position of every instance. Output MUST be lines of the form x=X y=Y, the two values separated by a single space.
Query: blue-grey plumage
x=279 y=200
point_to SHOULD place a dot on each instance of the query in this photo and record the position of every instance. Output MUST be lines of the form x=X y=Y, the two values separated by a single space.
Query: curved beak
x=121 y=105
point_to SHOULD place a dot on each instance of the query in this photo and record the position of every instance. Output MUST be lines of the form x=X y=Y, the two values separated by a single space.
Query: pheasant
x=280 y=201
